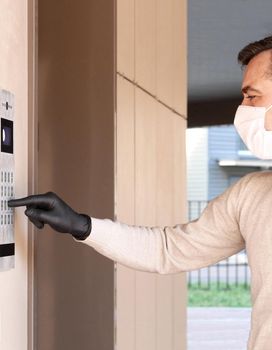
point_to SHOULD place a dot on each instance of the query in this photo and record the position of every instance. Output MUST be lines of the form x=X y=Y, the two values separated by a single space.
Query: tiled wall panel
x=125 y=38
x=154 y=176
x=125 y=277
x=145 y=44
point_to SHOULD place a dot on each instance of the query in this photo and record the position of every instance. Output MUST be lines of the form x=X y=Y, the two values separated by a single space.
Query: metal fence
x=226 y=273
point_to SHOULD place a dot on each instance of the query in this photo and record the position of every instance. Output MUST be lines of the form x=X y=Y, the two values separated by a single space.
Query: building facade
x=216 y=158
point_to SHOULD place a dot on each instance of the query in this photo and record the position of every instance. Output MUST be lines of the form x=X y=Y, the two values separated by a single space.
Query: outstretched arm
x=214 y=236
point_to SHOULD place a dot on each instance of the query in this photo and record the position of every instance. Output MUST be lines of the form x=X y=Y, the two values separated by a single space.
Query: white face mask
x=249 y=122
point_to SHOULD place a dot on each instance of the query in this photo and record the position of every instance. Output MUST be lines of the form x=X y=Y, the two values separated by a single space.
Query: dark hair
x=253 y=49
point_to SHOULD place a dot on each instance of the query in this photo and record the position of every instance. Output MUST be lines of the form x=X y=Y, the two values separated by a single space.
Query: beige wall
x=14 y=77
x=100 y=165
x=128 y=165
x=151 y=166
x=74 y=284
x=152 y=48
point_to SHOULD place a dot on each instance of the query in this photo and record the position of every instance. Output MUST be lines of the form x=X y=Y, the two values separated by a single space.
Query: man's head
x=257 y=81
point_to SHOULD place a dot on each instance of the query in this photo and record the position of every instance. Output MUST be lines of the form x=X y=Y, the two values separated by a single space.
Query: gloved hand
x=49 y=209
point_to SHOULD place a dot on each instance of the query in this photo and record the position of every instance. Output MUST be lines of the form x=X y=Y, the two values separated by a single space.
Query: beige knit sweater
x=239 y=218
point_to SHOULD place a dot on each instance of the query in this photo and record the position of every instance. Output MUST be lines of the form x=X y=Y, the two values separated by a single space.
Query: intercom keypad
x=7 y=180
x=7 y=192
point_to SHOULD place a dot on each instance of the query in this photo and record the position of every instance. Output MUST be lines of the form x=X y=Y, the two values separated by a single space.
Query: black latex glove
x=49 y=209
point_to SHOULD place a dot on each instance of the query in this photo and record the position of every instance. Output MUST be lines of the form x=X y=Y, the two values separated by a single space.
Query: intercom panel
x=7 y=243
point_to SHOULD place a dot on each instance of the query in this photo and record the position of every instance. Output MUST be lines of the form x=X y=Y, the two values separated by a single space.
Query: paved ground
x=215 y=328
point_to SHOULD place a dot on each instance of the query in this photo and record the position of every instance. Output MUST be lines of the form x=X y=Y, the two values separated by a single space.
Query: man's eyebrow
x=245 y=89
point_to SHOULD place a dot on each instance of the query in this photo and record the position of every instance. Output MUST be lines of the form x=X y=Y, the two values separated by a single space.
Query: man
x=238 y=218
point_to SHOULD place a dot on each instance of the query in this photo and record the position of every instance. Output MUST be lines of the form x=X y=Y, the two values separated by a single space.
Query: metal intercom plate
x=7 y=244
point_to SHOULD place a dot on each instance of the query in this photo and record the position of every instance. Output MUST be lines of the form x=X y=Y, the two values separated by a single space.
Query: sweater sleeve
x=214 y=236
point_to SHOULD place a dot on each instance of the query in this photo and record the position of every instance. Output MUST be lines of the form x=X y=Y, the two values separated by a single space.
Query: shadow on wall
x=76 y=154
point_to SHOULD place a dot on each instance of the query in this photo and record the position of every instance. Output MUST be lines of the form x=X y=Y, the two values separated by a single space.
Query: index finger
x=39 y=200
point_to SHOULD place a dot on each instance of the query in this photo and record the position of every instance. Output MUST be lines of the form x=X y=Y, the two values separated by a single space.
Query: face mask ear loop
x=268 y=109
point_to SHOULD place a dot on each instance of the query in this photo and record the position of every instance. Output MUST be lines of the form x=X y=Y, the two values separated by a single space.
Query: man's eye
x=251 y=97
